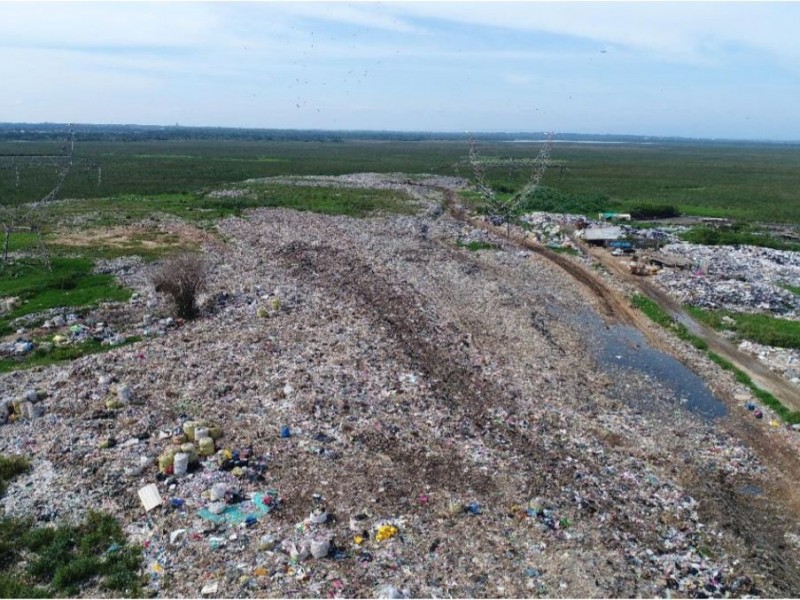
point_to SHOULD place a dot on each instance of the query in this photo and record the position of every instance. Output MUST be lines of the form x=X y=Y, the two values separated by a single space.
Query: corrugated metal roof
x=602 y=233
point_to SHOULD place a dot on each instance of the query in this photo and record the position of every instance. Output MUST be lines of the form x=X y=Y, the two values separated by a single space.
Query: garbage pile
x=26 y=406
x=554 y=229
x=63 y=330
x=405 y=421
x=785 y=361
x=743 y=279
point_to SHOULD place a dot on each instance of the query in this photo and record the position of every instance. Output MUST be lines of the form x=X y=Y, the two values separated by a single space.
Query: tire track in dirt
x=425 y=344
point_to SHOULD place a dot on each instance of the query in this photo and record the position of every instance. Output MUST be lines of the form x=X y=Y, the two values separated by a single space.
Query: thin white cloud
x=372 y=15
x=671 y=30
x=455 y=65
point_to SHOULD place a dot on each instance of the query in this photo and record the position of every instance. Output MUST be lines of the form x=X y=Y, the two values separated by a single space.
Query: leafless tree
x=182 y=278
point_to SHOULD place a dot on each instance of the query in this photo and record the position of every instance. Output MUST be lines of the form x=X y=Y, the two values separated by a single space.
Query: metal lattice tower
x=26 y=217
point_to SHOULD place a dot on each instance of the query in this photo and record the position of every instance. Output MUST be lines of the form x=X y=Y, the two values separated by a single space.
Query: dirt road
x=761 y=375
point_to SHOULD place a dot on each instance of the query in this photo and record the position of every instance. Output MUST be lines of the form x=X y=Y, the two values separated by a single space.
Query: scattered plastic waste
x=318 y=516
x=320 y=548
x=210 y=588
x=390 y=592
x=385 y=532
x=150 y=496
x=261 y=504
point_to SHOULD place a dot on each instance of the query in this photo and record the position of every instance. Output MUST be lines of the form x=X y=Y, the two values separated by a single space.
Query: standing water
x=622 y=348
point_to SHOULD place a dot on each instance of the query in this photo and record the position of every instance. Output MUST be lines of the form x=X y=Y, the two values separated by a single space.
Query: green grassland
x=746 y=181
x=760 y=328
x=46 y=562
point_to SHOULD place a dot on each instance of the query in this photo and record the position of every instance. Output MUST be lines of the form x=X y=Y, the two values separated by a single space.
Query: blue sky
x=692 y=69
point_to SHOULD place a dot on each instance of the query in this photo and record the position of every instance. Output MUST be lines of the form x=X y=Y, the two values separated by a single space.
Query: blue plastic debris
x=474 y=508
x=260 y=505
x=285 y=433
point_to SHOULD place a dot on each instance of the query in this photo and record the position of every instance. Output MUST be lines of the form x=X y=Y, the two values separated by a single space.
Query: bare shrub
x=182 y=278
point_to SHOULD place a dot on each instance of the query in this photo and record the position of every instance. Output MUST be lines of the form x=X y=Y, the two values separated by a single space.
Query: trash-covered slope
x=409 y=418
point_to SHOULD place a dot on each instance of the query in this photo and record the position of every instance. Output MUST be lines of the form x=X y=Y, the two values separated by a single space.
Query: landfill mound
x=368 y=408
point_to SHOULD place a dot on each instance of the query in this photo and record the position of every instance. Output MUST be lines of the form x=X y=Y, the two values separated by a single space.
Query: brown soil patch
x=138 y=236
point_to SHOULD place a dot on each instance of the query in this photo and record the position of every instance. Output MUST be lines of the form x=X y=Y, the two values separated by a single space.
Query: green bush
x=10 y=467
x=59 y=560
x=476 y=245
x=552 y=200
x=737 y=235
x=654 y=211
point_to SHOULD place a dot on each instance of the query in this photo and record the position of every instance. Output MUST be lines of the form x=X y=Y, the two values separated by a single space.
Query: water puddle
x=621 y=348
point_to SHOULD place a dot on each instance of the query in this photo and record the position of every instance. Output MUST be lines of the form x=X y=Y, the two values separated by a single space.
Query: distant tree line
x=110 y=132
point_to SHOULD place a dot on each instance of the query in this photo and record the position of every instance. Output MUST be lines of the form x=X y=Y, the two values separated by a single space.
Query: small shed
x=601 y=236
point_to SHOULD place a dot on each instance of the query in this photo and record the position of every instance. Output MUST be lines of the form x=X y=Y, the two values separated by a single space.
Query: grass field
x=748 y=181
x=47 y=562
x=70 y=282
x=759 y=328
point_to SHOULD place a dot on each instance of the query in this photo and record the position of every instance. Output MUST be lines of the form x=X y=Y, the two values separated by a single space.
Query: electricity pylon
x=25 y=217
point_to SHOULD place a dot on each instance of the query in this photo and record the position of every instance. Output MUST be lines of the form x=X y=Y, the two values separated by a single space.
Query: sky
x=690 y=69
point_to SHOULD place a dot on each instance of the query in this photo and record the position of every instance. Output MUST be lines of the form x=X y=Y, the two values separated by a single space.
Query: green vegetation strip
x=759 y=328
x=45 y=562
x=792 y=288
x=44 y=356
x=206 y=208
x=656 y=314
x=69 y=283
x=476 y=245
x=353 y=202
x=789 y=416
x=740 y=234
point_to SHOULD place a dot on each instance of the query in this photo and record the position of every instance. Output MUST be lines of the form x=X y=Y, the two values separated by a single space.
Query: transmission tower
x=505 y=208
x=26 y=217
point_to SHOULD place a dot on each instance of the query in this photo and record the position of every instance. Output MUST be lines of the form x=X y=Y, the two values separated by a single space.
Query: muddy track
x=614 y=305
x=611 y=304
x=757 y=524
